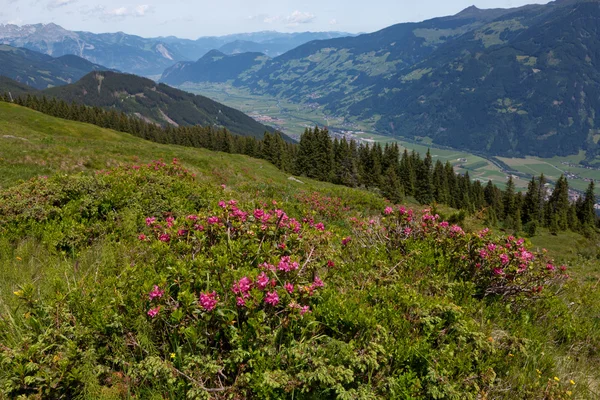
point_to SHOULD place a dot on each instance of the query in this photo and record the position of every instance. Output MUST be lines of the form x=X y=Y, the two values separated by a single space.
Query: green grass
x=392 y=320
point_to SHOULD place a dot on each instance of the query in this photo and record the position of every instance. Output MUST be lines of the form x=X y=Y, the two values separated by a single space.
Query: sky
x=196 y=18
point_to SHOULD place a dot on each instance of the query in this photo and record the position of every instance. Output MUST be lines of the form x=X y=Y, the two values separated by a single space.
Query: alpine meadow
x=406 y=213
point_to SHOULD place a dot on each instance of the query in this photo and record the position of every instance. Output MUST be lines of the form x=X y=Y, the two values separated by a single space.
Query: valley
x=293 y=118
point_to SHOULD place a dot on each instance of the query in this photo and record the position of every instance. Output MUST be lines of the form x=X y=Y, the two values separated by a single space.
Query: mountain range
x=514 y=82
x=144 y=98
x=146 y=56
x=41 y=71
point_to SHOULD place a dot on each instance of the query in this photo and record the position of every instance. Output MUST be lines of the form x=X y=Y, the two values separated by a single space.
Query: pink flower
x=164 y=238
x=550 y=267
x=213 y=220
x=232 y=202
x=407 y=231
x=150 y=221
x=286 y=265
x=330 y=264
x=320 y=226
x=272 y=298
x=182 y=232
x=142 y=237
x=346 y=240
x=388 y=210
x=457 y=230
x=242 y=286
x=491 y=247
x=240 y=301
x=504 y=259
x=153 y=312
x=483 y=253
x=444 y=224
x=318 y=282
x=192 y=217
x=208 y=301
x=402 y=210
x=262 y=280
x=563 y=268
x=198 y=227
x=304 y=310
x=289 y=287
x=222 y=204
x=223 y=187
x=498 y=271
x=170 y=221
x=156 y=292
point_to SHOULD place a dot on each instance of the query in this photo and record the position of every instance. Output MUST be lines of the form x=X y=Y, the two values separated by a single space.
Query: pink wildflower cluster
x=155 y=293
x=328 y=207
x=209 y=300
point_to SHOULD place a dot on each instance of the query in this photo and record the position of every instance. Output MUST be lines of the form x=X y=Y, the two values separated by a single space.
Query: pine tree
x=424 y=186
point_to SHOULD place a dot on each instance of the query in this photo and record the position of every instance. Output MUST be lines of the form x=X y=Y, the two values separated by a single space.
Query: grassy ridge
x=401 y=314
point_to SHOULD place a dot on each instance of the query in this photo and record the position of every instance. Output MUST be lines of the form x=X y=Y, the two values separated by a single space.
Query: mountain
x=134 y=54
x=15 y=88
x=214 y=66
x=521 y=81
x=154 y=102
x=41 y=71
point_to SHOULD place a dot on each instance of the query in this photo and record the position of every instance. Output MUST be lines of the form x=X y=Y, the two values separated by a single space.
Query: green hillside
x=216 y=276
x=41 y=71
x=157 y=103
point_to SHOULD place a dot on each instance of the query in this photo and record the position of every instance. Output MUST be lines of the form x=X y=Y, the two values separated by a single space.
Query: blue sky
x=194 y=18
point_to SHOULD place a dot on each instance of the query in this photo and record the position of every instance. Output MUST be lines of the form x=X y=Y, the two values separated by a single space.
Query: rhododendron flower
x=213 y=220
x=198 y=227
x=164 y=237
x=457 y=230
x=346 y=240
x=498 y=271
x=320 y=226
x=142 y=237
x=388 y=210
x=444 y=224
x=258 y=213
x=330 y=264
x=267 y=266
x=156 y=292
x=407 y=231
x=170 y=221
x=272 y=298
x=287 y=266
x=208 y=301
x=483 y=253
x=240 y=301
x=262 y=280
x=289 y=287
x=192 y=217
x=550 y=267
x=232 y=202
x=563 y=268
x=222 y=204
x=304 y=310
x=402 y=210
x=491 y=247
x=242 y=286
x=318 y=282
x=153 y=312
x=150 y=221
x=223 y=187
x=504 y=258
x=182 y=232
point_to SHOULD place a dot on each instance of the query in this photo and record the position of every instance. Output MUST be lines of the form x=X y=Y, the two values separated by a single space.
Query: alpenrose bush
x=497 y=266
x=230 y=300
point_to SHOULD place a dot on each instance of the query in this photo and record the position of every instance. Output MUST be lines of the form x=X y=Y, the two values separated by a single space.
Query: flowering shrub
x=174 y=290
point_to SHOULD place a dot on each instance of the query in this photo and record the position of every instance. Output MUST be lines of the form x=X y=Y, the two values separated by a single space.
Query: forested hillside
x=157 y=103
x=509 y=82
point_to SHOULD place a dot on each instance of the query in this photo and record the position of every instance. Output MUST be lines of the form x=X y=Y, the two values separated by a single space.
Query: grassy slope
x=34 y=144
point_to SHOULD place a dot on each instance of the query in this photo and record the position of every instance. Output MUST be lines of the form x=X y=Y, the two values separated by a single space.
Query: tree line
x=383 y=168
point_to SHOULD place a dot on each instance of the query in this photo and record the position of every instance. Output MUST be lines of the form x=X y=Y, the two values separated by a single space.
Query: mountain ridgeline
x=146 y=56
x=41 y=71
x=155 y=103
x=512 y=82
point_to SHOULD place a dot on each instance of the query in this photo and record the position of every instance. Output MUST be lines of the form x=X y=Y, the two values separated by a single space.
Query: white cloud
x=294 y=19
x=142 y=9
x=59 y=3
x=333 y=22
x=123 y=12
x=299 y=17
